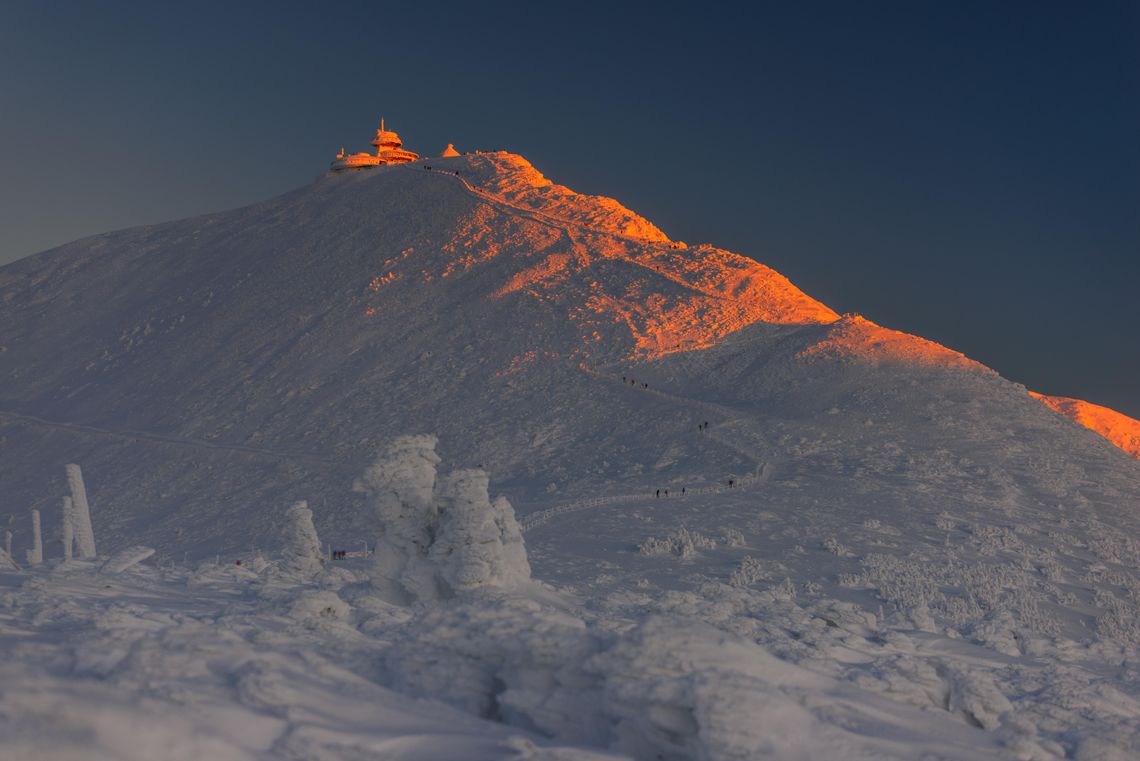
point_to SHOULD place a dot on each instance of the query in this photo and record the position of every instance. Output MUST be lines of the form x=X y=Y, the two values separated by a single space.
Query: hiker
x=658 y=494
x=666 y=492
x=730 y=483
x=682 y=491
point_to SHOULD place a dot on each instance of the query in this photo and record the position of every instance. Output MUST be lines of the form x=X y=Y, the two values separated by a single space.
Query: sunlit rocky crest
x=617 y=270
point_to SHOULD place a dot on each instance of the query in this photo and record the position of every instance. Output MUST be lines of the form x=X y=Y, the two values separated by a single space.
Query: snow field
x=336 y=660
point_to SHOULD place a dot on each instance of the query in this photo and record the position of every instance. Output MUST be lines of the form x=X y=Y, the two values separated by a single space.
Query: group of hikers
x=702 y=427
x=665 y=492
x=440 y=171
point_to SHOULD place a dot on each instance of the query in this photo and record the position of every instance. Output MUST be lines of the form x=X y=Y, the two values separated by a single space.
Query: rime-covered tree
x=67 y=528
x=36 y=553
x=84 y=533
x=478 y=543
x=302 y=549
x=401 y=487
x=437 y=541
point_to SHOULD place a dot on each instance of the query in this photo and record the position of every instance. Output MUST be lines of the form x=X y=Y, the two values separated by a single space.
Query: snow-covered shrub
x=905 y=583
x=733 y=538
x=680 y=542
x=785 y=590
x=301 y=553
x=435 y=542
x=832 y=545
x=747 y=573
x=1120 y=621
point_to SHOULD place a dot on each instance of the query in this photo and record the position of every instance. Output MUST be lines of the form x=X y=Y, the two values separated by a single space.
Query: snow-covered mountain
x=226 y=364
x=684 y=434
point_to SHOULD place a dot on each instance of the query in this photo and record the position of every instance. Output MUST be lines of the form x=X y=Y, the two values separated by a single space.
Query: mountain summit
x=222 y=364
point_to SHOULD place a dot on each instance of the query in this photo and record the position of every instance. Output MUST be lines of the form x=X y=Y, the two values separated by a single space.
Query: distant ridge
x=1118 y=428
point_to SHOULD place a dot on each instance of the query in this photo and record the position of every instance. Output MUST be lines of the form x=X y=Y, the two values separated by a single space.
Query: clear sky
x=969 y=172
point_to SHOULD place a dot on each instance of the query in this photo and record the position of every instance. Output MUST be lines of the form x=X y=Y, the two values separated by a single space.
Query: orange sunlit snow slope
x=1120 y=429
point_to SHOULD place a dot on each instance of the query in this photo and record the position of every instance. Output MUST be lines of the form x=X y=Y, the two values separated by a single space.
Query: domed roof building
x=388 y=151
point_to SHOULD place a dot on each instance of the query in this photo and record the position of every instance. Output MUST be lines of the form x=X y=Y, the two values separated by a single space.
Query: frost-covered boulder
x=301 y=553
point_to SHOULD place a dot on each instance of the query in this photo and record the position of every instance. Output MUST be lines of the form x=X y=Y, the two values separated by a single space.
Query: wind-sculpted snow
x=226 y=662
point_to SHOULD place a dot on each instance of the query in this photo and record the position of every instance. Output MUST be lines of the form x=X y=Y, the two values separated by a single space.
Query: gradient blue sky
x=966 y=171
